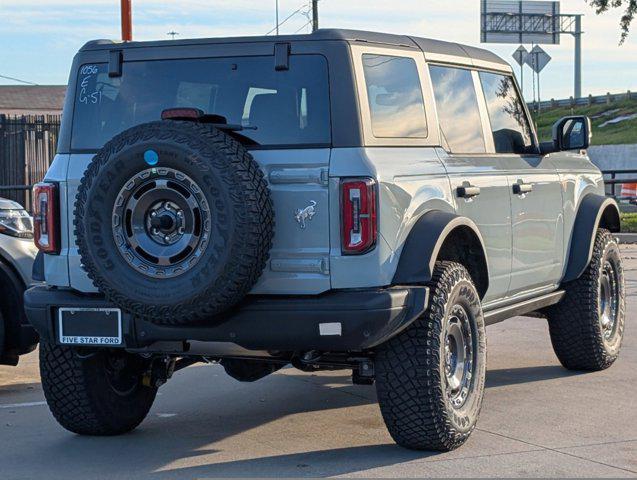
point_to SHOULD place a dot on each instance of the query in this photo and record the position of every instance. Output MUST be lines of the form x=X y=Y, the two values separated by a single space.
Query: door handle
x=522 y=188
x=468 y=191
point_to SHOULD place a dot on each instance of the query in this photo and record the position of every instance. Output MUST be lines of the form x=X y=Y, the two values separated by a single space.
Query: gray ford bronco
x=336 y=200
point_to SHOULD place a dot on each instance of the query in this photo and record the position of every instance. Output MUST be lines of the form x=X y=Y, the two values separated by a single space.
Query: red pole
x=127 y=21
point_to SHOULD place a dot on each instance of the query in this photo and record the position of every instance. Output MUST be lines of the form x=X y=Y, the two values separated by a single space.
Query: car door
x=478 y=179
x=535 y=189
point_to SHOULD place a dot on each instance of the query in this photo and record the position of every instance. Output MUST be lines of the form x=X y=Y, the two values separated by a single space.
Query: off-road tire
x=2 y=334
x=13 y=339
x=574 y=323
x=241 y=231
x=81 y=397
x=410 y=376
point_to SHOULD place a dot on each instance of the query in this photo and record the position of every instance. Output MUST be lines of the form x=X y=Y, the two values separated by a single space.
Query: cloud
x=40 y=37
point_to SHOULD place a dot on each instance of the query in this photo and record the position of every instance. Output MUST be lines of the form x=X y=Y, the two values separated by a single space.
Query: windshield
x=289 y=107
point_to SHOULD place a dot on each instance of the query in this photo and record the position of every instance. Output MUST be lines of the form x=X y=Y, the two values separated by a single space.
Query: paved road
x=537 y=420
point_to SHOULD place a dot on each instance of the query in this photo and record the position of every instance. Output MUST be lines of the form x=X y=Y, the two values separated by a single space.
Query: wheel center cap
x=165 y=223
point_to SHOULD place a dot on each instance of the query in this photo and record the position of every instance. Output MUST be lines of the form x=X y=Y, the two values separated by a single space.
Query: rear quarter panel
x=411 y=182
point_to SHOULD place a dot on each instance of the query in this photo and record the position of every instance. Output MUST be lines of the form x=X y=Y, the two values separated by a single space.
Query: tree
x=630 y=11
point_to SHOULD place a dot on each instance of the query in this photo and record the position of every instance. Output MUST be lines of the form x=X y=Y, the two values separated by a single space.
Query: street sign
x=537 y=59
x=520 y=55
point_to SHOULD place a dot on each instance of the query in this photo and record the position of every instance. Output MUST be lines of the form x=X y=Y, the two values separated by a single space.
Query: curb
x=626 y=237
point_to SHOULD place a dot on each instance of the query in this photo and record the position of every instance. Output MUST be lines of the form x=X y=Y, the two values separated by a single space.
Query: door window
x=395 y=97
x=458 y=112
x=509 y=124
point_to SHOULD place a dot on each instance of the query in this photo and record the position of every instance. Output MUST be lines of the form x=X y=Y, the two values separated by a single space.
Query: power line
x=17 y=80
x=308 y=23
x=295 y=12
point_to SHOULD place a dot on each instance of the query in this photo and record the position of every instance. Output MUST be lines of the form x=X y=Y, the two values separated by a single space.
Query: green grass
x=629 y=222
x=619 y=133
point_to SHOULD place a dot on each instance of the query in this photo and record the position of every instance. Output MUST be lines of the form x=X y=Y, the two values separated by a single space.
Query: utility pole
x=315 y=20
x=277 y=16
x=127 y=21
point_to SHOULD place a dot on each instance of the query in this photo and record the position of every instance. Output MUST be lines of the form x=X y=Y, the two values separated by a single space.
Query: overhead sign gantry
x=534 y=22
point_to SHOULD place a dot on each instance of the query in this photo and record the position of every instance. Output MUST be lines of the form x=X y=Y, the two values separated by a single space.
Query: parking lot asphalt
x=538 y=419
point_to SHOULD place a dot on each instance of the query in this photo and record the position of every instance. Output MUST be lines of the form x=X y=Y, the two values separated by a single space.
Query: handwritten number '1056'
x=85 y=97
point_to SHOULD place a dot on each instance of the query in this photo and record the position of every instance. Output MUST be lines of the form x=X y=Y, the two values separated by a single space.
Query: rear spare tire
x=174 y=221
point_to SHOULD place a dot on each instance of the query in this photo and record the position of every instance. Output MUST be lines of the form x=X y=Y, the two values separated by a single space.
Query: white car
x=17 y=253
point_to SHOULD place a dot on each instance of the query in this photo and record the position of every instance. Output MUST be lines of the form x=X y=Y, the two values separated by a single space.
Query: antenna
x=172 y=34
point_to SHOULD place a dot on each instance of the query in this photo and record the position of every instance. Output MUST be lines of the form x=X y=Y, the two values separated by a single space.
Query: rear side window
x=289 y=107
x=458 y=112
x=509 y=123
x=395 y=97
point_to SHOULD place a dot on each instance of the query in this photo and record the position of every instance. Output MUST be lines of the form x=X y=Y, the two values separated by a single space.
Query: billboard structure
x=534 y=22
x=520 y=22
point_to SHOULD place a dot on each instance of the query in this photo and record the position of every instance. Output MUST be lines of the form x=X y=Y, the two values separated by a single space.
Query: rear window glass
x=289 y=107
x=395 y=97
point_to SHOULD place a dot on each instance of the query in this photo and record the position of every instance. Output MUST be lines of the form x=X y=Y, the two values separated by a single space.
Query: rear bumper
x=338 y=321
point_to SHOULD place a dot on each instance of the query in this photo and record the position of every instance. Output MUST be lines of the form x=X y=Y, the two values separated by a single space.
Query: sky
x=38 y=38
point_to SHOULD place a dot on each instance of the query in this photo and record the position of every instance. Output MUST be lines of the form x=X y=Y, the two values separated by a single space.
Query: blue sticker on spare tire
x=151 y=157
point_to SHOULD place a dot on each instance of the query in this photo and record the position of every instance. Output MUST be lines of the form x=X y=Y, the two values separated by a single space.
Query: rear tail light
x=46 y=231
x=358 y=215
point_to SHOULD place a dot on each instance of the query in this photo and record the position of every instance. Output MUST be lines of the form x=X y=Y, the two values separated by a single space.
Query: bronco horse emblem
x=302 y=215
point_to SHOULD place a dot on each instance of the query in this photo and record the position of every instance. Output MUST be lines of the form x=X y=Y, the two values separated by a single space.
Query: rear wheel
x=95 y=392
x=430 y=378
x=587 y=326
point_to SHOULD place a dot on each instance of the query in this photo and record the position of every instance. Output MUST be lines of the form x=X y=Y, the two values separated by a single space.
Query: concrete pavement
x=537 y=420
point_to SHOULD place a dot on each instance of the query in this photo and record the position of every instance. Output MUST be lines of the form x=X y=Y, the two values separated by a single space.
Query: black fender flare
x=594 y=211
x=424 y=242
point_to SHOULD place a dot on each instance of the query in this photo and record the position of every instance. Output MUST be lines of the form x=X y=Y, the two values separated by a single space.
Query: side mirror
x=569 y=133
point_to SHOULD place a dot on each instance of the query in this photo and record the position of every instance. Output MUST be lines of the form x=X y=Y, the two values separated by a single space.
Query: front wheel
x=587 y=326
x=430 y=378
x=95 y=392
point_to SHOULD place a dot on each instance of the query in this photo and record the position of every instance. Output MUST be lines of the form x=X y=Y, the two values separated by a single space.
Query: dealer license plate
x=90 y=326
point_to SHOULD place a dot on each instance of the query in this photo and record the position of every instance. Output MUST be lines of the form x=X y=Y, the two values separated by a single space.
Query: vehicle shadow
x=512 y=376
x=321 y=463
x=18 y=387
x=188 y=444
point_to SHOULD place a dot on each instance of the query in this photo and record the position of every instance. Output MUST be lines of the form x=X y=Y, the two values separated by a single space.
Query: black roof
x=351 y=36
